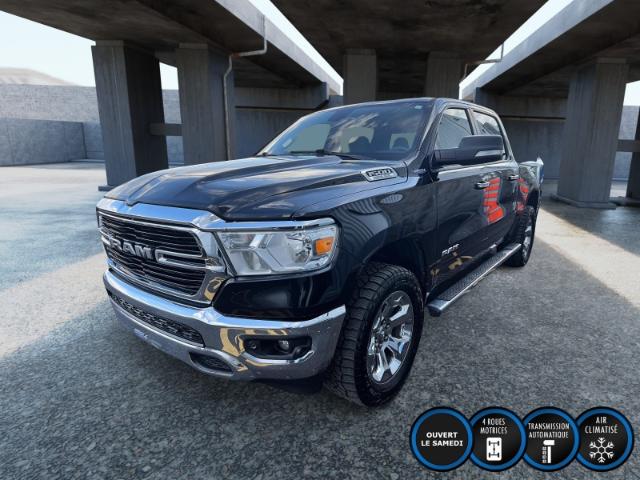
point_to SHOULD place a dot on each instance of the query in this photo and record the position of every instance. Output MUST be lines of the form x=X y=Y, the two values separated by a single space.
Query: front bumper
x=224 y=336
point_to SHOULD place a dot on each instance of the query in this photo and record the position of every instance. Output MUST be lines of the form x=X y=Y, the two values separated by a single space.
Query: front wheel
x=524 y=234
x=380 y=336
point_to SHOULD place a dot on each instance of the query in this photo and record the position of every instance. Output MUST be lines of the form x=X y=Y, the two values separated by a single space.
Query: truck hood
x=256 y=188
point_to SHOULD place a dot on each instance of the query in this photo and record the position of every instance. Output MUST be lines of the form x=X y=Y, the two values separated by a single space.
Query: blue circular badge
x=606 y=439
x=441 y=439
x=552 y=439
x=499 y=439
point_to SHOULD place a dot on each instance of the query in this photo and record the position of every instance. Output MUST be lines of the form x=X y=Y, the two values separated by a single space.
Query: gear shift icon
x=546 y=450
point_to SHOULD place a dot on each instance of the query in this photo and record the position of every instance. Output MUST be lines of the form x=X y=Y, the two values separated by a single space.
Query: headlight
x=262 y=252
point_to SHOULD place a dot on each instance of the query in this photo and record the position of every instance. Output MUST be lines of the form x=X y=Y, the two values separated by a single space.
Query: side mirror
x=472 y=150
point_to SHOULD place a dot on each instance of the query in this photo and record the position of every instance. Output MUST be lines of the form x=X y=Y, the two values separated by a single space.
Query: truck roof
x=434 y=100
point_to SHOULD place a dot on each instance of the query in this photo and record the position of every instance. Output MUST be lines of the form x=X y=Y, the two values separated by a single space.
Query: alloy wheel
x=390 y=337
x=528 y=238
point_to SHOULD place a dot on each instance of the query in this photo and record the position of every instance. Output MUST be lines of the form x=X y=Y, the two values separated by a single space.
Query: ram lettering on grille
x=132 y=248
x=155 y=254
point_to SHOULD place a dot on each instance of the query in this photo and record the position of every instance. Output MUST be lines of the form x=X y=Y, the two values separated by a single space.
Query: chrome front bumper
x=224 y=336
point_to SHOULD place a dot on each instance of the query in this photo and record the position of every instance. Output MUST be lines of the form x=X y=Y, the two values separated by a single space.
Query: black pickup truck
x=317 y=258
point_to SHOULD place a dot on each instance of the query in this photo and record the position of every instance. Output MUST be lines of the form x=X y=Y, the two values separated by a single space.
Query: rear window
x=488 y=125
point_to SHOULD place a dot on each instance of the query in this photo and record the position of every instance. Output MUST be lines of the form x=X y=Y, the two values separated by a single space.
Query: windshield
x=385 y=131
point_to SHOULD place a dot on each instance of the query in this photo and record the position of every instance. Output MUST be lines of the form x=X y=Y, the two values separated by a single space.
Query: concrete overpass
x=389 y=49
x=199 y=38
x=569 y=76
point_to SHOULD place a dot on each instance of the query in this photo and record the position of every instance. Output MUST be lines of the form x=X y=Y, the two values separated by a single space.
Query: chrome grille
x=177 y=245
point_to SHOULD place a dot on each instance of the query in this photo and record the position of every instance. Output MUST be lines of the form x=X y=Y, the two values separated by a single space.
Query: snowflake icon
x=601 y=450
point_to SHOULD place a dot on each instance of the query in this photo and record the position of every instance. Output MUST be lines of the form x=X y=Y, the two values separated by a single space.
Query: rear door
x=461 y=234
x=501 y=194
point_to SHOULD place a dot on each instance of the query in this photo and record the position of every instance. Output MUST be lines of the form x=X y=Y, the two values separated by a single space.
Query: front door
x=460 y=197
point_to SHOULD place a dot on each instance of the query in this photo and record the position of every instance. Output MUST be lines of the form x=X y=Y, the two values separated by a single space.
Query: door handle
x=481 y=185
x=513 y=177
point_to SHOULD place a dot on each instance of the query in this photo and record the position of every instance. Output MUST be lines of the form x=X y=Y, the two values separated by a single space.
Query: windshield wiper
x=322 y=152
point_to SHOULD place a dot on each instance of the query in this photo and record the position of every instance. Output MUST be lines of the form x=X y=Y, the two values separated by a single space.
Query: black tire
x=349 y=374
x=525 y=220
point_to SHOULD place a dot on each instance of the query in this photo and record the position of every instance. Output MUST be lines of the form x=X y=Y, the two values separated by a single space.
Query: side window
x=454 y=125
x=488 y=125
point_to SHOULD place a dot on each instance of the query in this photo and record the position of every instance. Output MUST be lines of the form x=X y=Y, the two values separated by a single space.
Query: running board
x=462 y=286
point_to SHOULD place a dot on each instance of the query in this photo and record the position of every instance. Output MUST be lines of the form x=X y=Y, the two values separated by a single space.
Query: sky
x=28 y=44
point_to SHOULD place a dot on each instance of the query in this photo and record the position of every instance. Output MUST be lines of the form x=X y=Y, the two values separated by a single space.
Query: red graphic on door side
x=524 y=194
x=492 y=209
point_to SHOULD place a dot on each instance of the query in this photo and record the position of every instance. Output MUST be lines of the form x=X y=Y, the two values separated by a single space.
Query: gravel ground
x=80 y=398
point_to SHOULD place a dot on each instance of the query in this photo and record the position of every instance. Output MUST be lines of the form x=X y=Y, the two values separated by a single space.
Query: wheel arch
x=533 y=199
x=406 y=253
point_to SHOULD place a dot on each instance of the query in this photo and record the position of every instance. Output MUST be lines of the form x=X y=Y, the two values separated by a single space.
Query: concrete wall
x=627 y=132
x=60 y=103
x=75 y=104
x=535 y=126
x=267 y=122
x=172 y=115
x=25 y=141
x=531 y=138
x=255 y=126
x=44 y=102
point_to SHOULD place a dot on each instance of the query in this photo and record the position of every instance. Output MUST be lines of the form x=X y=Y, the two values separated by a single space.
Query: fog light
x=283 y=348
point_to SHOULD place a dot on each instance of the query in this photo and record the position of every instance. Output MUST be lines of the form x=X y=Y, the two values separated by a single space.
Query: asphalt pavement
x=80 y=398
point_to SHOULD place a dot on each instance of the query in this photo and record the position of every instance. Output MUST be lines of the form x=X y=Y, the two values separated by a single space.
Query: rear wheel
x=380 y=336
x=524 y=234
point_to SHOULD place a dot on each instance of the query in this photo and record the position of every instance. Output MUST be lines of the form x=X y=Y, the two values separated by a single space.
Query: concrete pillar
x=590 y=136
x=200 y=77
x=633 y=184
x=444 y=71
x=360 y=73
x=129 y=100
